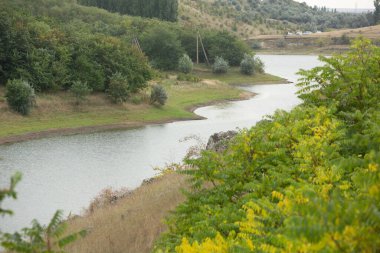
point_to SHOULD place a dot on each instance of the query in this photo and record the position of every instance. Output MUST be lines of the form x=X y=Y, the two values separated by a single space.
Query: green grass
x=57 y=111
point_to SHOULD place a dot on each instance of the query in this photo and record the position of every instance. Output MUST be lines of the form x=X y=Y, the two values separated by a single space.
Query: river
x=67 y=172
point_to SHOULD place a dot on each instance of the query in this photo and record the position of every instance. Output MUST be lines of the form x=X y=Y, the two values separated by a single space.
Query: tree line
x=161 y=9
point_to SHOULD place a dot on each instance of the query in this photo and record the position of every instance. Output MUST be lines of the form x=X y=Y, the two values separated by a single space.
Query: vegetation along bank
x=66 y=66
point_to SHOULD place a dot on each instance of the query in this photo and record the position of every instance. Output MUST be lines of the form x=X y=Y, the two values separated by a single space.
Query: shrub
x=80 y=90
x=281 y=43
x=220 y=66
x=185 y=64
x=258 y=65
x=256 y=45
x=247 y=65
x=251 y=65
x=20 y=96
x=158 y=95
x=118 y=88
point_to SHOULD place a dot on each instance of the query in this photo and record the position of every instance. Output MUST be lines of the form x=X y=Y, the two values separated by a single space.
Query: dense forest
x=307 y=180
x=162 y=9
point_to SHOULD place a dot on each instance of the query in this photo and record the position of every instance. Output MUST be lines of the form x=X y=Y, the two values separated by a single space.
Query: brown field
x=133 y=223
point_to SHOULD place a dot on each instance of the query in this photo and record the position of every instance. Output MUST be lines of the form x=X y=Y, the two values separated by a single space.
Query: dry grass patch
x=133 y=223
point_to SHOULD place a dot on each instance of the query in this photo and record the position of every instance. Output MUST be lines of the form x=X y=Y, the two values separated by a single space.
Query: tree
x=158 y=95
x=216 y=45
x=80 y=91
x=376 y=14
x=220 y=66
x=185 y=64
x=163 y=48
x=162 y=9
x=247 y=65
x=20 y=96
x=118 y=88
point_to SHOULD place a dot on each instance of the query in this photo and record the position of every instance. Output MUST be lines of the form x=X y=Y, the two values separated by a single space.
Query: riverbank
x=326 y=43
x=57 y=114
x=133 y=223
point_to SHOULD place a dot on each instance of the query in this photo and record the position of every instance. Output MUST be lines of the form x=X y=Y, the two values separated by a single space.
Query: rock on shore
x=218 y=142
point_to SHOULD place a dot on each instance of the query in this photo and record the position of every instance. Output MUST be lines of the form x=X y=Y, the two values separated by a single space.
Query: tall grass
x=132 y=223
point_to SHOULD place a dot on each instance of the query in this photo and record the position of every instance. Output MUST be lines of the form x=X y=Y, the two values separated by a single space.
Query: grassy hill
x=247 y=18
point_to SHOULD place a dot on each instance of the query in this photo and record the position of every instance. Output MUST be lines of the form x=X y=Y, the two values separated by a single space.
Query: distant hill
x=247 y=18
x=353 y=10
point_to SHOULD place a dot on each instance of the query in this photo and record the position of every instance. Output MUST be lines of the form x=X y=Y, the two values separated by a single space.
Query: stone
x=218 y=142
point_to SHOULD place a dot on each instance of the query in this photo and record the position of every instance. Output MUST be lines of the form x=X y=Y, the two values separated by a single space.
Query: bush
x=185 y=64
x=80 y=90
x=118 y=88
x=281 y=43
x=258 y=65
x=158 y=95
x=256 y=45
x=247 y=65
x=251 y=65
x=20 y=96
x=220 y=66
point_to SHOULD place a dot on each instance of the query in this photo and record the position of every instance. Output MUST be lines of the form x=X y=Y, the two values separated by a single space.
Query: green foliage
x=158 y=95
x=307 y=180
x=38 y=238
x=162 y=9
x=251 y=64
x=9 y=193
x=80 y=91
x=163 y=48
x=52 y=47
x=20 y=96
x=41 y=239
x=376 y=13
x=118 y=88
x=348 y=82
x=220 y=66
x=217 y=44
x=185 y=64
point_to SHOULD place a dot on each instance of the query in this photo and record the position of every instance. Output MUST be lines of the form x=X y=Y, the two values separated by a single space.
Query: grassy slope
x=193 y=14
x=57 y=111
x=132 y=224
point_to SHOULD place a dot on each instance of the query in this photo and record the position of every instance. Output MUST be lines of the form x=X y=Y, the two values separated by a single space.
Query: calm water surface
x=67 y=172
